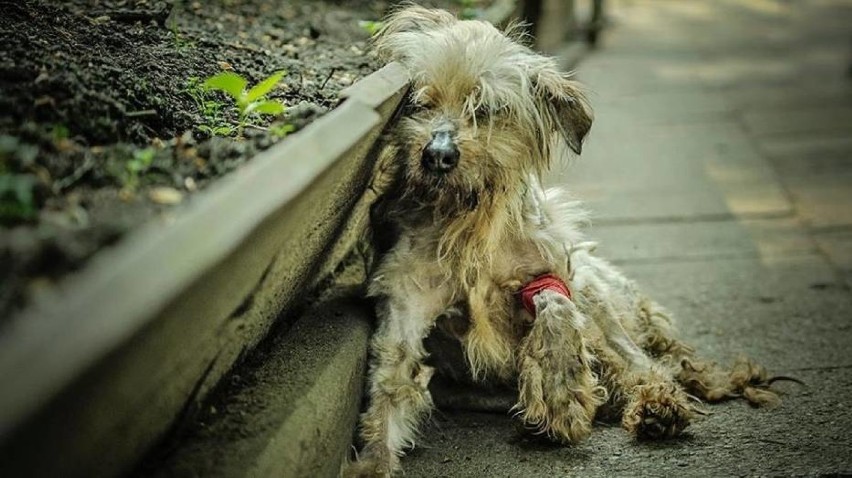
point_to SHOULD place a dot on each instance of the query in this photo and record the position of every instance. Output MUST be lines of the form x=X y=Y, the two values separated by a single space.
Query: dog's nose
x=441 y=154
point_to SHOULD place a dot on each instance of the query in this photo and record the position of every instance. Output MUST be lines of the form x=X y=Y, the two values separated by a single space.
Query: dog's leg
x=488 y=343
x=705 y=380
x=399 y=394
x=559 y=394
x=653 y=404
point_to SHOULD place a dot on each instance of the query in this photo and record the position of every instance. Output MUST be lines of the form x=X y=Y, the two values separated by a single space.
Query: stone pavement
x=719 y=170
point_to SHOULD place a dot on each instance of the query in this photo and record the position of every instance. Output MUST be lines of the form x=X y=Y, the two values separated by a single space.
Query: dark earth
x=105 y=123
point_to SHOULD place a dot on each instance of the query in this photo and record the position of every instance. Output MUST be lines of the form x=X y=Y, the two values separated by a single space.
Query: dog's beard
x=445 y=195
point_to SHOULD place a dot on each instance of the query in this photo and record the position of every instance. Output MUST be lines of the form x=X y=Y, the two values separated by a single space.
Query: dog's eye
x=413 y=108
x=482 y=112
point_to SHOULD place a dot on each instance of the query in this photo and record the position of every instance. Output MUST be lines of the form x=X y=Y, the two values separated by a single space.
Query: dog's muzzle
x=441 y=154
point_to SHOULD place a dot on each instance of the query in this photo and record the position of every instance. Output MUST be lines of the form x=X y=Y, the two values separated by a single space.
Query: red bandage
x=540 y=283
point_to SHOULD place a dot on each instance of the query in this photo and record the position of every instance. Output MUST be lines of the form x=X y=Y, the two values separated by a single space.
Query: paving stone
x=650 y=172
x=810 y=154
x=799 y=121
x=671 y=107
x=643 y=243
x=837 y=246
x=823 y=200
x=808 y=93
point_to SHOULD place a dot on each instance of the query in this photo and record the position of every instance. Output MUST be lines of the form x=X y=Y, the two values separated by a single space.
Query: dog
x=479 y=244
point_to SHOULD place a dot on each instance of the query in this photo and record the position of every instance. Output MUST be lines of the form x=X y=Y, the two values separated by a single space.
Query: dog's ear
x=408 y=19
x=565 y=105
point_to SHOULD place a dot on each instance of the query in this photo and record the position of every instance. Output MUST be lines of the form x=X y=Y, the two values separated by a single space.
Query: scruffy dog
x=480 y=243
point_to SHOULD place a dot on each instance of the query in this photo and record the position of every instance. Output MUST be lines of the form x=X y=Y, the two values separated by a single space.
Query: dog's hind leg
x=399 y=394
x=705 y=380
x=653 y=404
x=559 y=393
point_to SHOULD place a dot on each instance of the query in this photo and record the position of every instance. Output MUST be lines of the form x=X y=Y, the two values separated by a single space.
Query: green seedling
x=248 y=102
x=195 y=89
x=181 y=43
x=221 y=130
x=214 y=123
x=281 y=130
x=469 y=10
x=13 y=150
x=371 y=27
x=60 y=133
x=17 y=201
x=135 y=167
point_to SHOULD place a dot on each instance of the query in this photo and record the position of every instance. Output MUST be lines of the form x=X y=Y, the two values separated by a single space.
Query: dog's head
x=484 y=110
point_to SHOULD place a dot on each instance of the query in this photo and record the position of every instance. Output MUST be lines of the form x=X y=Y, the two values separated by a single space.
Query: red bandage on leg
x=540 y=283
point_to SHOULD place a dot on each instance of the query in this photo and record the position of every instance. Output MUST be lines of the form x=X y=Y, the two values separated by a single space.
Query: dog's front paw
x=657 y=410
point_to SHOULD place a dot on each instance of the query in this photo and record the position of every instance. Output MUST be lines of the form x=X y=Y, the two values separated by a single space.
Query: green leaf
x=60 y=132
x=141 y=161
x=371 y=27
x=469 y=13
x=265 y=108
x=17 y=201
x=229 y=82
x=261 y=89
x=281 y=130
x=223 y=131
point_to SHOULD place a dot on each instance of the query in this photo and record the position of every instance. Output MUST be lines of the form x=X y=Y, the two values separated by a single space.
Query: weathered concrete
x=672 y=169
x=283 y=413
x=702 y=240
x=718 y=179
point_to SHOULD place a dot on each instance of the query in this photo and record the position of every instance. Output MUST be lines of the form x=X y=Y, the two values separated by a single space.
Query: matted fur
x=468 y=239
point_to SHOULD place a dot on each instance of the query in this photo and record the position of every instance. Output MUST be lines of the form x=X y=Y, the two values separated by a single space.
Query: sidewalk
x=719 y=170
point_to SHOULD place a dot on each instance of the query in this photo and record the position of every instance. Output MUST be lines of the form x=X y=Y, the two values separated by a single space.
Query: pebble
x=165 y=195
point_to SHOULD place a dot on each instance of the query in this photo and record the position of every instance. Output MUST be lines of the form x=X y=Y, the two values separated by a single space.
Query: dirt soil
x=105 y=125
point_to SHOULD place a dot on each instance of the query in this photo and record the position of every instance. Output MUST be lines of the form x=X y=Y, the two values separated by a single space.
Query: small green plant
x=211 y=109
x=14 y=150
x=17 y=201
x=181 y=42
x=469 y=10
x=280 y=130
x=17 y=198
x=138 y=164
x=248 y=102
x=370 y=26
x=220 y=130
x=59 y=132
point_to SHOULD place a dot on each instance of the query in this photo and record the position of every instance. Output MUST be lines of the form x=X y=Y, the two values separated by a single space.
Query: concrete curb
x=139 y=337
x=285 y=415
